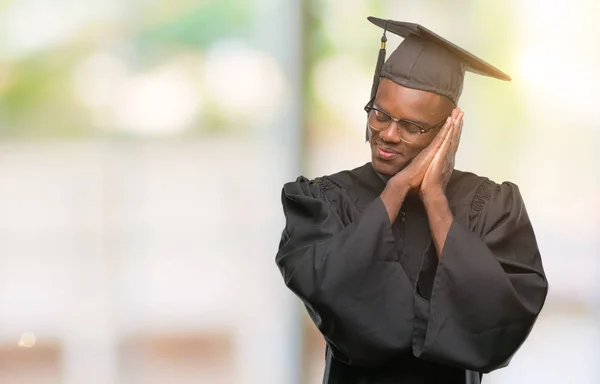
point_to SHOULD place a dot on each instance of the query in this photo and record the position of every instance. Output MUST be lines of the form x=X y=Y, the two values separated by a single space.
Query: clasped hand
x=430 y=171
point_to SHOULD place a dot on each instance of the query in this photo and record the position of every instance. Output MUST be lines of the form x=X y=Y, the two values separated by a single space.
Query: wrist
x=434 y=197
x=393 y=197
x=398 y=186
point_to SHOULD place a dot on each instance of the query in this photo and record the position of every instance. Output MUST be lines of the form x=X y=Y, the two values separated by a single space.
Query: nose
x=390 y=135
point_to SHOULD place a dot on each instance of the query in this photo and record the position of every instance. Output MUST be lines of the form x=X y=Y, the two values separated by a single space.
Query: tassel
x=377 y=75
x=378 y=67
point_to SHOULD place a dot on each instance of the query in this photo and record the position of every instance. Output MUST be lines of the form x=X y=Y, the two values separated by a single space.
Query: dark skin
x=424 y=166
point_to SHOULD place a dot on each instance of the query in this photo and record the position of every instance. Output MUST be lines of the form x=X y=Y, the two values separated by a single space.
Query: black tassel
x=378 y=67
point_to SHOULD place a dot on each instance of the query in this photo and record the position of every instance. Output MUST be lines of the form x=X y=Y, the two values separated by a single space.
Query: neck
x=383 y=177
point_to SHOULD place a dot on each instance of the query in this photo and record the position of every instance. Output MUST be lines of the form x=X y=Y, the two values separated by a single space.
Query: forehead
x=410 y=103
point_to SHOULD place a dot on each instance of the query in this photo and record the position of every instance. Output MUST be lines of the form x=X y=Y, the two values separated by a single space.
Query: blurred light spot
x=27 y=26
x=244 y=82
x=163 y=101
x=540 y=16
x=552 y=80
x=559 y=70
x=27 y=340
x=98 y=79
x=30 y=25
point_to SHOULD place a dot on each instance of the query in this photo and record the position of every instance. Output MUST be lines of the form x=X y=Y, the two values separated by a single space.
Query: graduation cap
x=427 y=61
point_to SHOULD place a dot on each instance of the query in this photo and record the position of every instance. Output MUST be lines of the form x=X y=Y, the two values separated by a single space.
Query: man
x=415 y=273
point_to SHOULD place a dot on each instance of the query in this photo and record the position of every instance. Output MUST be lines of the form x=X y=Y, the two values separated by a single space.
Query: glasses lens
x=379 y=120
x=409 y=132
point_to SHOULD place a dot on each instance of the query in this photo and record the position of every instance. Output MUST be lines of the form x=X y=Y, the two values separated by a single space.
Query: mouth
x=386 y=153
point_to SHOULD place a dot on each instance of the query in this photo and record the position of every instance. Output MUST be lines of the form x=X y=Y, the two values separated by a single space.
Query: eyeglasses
x=408 y=131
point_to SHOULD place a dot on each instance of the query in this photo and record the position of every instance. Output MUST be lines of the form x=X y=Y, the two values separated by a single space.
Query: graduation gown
x=389 y=311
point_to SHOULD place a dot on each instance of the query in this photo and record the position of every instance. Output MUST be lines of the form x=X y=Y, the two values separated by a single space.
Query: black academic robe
x=390 y=312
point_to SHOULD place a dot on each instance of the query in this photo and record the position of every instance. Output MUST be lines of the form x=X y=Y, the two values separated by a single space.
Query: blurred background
x=144 y=144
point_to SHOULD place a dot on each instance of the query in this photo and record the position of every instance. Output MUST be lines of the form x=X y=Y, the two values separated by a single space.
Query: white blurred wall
x=101 y=243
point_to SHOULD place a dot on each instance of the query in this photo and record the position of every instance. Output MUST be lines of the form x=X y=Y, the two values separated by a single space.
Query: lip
x=387 y=153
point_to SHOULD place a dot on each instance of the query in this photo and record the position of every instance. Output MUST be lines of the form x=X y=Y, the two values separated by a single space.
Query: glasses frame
x=370 y=108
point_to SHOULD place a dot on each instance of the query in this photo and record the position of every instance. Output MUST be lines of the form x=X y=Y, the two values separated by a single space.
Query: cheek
x=415 y=150
x=412 y=152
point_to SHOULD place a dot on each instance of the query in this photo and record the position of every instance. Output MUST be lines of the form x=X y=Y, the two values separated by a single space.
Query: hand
x=440 y=168
x=412 y=176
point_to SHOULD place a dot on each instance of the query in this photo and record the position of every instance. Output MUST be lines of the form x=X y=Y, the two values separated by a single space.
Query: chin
x=386 y=168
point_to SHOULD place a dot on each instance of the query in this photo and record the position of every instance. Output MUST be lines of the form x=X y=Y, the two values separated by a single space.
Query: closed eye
x=410 y=127
x=380 y=116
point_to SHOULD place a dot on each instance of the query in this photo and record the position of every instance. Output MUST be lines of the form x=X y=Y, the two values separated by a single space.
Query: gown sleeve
x=345 y=273
x=488 y=289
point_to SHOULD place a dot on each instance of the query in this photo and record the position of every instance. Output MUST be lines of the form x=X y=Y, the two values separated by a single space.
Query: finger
x=448 y=153
x=458 y=125
x=430 y=151
x=456 y=131
x=453 y=116
x=455 y=113
x=447 y=144
x=433 y=148
x=441 y=136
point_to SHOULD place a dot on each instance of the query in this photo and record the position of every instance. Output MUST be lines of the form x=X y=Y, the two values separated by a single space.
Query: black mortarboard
x=427 y=61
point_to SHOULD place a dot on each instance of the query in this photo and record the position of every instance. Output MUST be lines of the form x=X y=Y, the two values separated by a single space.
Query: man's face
x=389 y=153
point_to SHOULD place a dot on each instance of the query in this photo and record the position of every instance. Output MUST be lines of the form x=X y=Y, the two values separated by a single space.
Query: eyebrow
x=423 y=124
